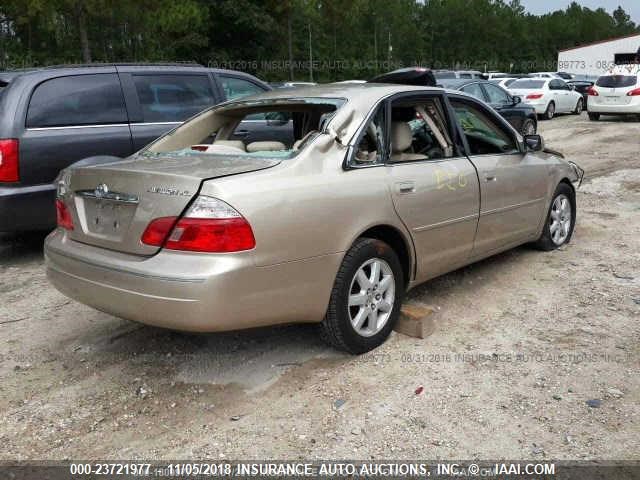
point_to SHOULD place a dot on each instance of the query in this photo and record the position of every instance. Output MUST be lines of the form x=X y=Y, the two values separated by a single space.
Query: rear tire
x=364 y=306
x=550 y=112
x=594 y=117
x=579 y=107
x=561 y=218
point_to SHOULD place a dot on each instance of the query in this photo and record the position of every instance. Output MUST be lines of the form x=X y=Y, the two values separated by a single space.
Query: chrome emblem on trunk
x=101 y=190
x=172 y=191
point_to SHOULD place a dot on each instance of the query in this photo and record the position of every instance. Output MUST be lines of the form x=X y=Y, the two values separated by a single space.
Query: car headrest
x=401 y=136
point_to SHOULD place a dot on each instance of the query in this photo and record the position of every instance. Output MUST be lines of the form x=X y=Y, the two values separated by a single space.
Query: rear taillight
x=534 y=96
x=63 y=216
x=592 y=92
x=634 y=93
x=209 y=225
x=9 y=160
x=156 y=232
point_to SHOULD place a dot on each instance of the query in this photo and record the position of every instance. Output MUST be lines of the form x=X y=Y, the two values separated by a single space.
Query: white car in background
x=504 y=82
x=548 y=96
x=617 y=93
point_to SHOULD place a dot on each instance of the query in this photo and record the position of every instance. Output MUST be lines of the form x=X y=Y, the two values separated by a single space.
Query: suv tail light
x=592 y=92
x=634 y=93
x=534 y=96
x=63 y=216
x=209 y=225
x=9 y=160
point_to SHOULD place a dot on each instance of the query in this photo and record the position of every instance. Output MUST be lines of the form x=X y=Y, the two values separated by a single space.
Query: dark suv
x=52 y=117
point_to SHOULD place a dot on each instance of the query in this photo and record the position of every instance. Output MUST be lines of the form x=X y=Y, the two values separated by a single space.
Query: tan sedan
x=344 y=197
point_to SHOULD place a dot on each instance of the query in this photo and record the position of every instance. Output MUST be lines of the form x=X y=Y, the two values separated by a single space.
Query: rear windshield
x=617 y=81
x=256 y=128
x=527 y=84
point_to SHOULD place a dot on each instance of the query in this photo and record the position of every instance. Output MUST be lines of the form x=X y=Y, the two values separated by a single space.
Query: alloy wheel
x=371 y=297
x=560 y=224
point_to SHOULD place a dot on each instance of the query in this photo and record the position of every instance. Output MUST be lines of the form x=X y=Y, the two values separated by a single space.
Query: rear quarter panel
x=308 y=206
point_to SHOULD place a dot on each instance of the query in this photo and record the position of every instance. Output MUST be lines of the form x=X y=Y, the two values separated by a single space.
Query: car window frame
x=518 y=139
x=34 y=88
x=484 y=98
x=453 y=133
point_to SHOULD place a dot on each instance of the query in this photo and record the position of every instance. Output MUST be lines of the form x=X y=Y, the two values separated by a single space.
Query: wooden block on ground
x=416 y=320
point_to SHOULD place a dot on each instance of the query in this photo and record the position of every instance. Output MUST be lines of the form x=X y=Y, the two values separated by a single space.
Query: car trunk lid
x=112 y=204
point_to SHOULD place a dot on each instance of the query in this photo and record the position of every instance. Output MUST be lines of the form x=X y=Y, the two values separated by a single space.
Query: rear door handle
x=406 y=187
x=490 y=176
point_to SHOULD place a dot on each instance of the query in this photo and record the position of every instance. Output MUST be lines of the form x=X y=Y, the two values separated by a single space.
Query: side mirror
x=534 y=142
x=516 y=99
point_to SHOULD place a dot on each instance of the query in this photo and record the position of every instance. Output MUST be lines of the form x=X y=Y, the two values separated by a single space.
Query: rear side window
x=617 y=81
x=237 y=87
x=172 y=98
x=474 y=89
x=77 y=100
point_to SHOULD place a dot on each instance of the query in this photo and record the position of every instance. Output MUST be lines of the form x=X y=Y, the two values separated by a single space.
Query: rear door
x=436 y=194
x=160 y=100
x=255 y=128
x=561 y=95
x=69 y=118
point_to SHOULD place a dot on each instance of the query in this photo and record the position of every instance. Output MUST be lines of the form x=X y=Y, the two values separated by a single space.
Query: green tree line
x=323 y=40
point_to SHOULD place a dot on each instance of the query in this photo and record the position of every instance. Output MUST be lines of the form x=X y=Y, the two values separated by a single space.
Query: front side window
x=77 y=100
x=237 y=87
x=172 y=98
x=484 y=133
x=496 y=95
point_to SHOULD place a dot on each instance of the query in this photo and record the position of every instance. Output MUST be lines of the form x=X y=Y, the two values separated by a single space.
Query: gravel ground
x=523 y=341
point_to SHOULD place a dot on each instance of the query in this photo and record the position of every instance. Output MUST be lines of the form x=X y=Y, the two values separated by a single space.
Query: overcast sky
x=632 y=7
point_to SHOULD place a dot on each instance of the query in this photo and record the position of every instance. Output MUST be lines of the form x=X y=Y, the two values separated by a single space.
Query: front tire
x=528 y=127
x=561 y=219
x=365 y=301
x=579 y=107
x=594 y=117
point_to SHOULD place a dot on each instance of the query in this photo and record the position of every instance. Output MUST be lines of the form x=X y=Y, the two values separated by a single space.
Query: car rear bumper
x=632 y=109
x=191 y=292
x=27 y=208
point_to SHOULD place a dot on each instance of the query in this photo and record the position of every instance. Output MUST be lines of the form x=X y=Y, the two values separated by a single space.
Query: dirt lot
x=523 y=341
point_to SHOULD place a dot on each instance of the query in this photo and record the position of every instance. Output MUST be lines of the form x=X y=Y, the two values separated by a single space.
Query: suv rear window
x=172 y=98
x=77 y=100
x=617 y=81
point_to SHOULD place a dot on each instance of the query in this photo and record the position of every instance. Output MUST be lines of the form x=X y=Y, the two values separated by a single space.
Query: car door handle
x=406 y=187
x=490 y=176
x=241 y=133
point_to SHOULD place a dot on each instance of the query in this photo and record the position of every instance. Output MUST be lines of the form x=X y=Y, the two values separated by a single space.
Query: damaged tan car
x=349 y=196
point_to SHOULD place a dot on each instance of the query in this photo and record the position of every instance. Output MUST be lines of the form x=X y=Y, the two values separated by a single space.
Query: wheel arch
x=398 y=242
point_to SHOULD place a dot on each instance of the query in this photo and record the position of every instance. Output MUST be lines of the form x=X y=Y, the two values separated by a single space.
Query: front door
x=512 y=182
